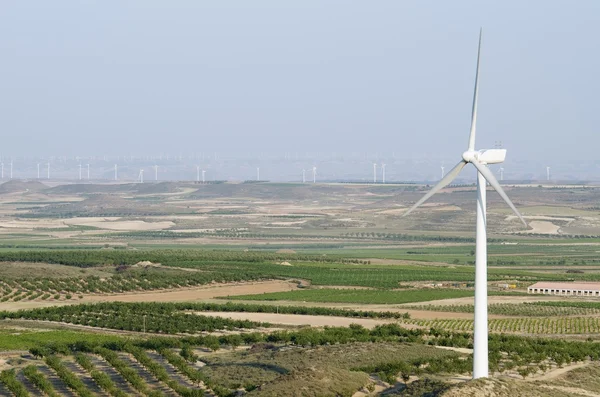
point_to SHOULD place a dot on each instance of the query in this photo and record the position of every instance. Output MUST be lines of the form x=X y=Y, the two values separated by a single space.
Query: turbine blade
x=441 y=184
x=475 y=92
x=489 y=176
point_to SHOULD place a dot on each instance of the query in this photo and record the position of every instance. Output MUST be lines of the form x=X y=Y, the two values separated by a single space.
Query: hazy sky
x=134 y=77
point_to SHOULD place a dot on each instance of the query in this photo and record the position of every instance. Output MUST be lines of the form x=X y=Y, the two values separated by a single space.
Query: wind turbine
x=374 y=172
x=197 y=173
x=38 y=170
x=257 y=173
x=79 y=171
x=2 y=165
x=479 y=159
x=88 y=172
x=156 y=172
x=501 y=172
x=314 y=174
x=11 y=169
x=303 y=176
x=48 y=170
x=116 y=172
x=547 y=173
x=443 y=169
x=203 y=173
x=382 y=173
x=141 y=176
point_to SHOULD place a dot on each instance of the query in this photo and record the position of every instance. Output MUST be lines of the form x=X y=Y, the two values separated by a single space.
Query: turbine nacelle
x=485 y=156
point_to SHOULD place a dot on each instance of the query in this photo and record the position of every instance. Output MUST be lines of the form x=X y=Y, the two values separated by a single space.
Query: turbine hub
x=470 y=155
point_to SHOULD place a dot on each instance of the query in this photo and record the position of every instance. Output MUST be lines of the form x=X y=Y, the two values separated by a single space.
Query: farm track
x=556 y=372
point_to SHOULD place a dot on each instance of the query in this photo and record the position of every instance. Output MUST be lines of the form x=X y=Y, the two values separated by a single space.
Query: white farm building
x=574 y=289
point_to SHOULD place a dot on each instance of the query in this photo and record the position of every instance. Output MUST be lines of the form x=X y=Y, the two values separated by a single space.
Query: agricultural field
x=183 y=289
x=360 y=295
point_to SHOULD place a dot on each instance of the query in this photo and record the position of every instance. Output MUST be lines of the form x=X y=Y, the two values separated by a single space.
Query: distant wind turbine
x=257 y=173
x=314 y=170
x=2 y=166
x=88 y=172
x=156 y=172
x=547 y=173
x=79 y=171
x=38 y=170
x=479 y=159
x=197 y=173
x=203 y=174
x=303 y=176
x=11 y=169
x=374 y=172
x=382 y=173
x=48 y=171
x=141 y=176
x=501 y=172
x=116 y=175
x=443 y=170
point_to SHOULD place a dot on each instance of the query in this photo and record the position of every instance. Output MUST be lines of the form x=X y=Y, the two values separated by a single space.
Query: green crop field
x=524 y=325
x=359 y=295
x=531 y=309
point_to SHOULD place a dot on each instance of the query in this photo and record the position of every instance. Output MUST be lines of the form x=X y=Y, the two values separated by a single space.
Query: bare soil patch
x=121 y=225
x=342 y=287
x=495 y=299
x=543 y=227
x=298 y=319
x=178 y=295
x=34 y=224
x=195 y=294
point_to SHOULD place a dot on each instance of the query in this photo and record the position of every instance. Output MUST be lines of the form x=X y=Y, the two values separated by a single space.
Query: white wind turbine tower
x=2 y=165
x=374 y=172
x=11 y=169
x=48 y=173
x=156 y=172
x=257 y=173
x=382 y=173
x=80 y=171
x=197 y=173
x=38 y=170
x=116 y=175
x=501 y=172
x=141 y=176
x=479 y=159
x=547 y=173
x=203 y=174
x=303 y=176
x=443 y=169
x=88 y=172
x=314 y=174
